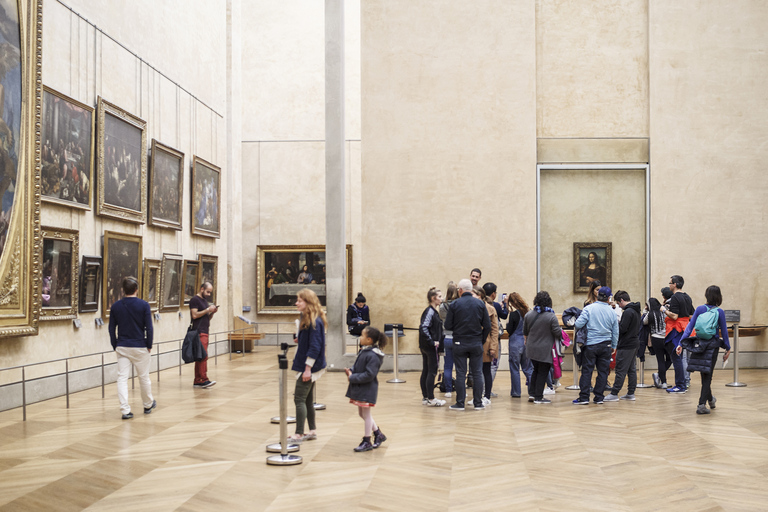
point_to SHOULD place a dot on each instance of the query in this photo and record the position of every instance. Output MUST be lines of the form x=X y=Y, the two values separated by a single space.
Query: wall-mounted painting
x=170 y=282
x=122 y=164
x=67 y=157
x=60 y=271
x=206 y=198
x=21 y=33
x=166 y=182
x=151 y=290
x=209 y=271
x=591 y=262
x=90 y=284
x=122 y=258
x=283 y=270
x=189 y=284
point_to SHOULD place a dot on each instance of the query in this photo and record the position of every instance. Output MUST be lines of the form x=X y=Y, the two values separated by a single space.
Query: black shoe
x=148 y=410
x=378 y=438
x=128 y=416
x=542 y=401
x=199 y=384
x=365 y=446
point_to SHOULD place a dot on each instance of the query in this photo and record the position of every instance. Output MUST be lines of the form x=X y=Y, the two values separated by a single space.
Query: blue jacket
x=602 y=323
x=363 y=384
x=722 y=327
x=311 y=345
x=469 y=320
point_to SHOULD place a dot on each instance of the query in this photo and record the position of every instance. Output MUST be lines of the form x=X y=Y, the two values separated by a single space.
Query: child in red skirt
x=364 y=386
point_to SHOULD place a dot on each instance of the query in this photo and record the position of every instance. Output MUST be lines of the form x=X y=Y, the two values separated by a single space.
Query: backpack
x=706 y=324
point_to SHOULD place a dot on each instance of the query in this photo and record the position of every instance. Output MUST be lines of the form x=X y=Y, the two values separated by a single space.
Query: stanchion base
x=574 y=387
x=319 y=407
x=736 y=385
x=396 y=381
x=284 y=460
x=277 y=448
x=644 y=386
x=276 y=419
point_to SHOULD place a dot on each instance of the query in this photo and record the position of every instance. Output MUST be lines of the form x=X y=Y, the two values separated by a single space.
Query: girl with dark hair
x=363 y=386
x=517 y=358
x=655 y=322
x=358 y=316
x=430 y=335
x=451 y=295
x=541 y=329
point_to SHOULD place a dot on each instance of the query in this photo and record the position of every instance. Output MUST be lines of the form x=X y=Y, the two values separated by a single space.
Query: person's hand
x=348 y=372
x=437 y=344
x=361 y=321
x=614 y=352
x=493 y=354
x=725 y=356
x=679 y=350
x=150 y=351
x=307 y=375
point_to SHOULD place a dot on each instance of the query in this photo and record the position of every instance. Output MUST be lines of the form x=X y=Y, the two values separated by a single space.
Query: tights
x=370 y=424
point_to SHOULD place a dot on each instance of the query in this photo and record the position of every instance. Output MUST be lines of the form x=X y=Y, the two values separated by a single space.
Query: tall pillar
x=335 y=196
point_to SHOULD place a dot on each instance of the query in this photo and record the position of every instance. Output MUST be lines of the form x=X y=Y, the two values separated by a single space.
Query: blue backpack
x=706 y=324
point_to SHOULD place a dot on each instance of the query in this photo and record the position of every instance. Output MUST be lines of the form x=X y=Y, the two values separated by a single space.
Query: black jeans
x=663 y=359
x=706 y=380
x=539 y=379
x=473 y=351
x=428 y=372
x=625 y=366
x=598 y=355
x=488 y=379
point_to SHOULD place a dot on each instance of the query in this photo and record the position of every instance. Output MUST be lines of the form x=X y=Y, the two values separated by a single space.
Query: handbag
x=192 y=349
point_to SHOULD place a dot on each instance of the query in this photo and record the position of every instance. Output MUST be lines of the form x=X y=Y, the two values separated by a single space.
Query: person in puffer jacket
x=363 y=386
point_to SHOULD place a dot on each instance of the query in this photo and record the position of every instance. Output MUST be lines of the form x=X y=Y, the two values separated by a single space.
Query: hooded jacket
x=629 y=327
x=363 y=384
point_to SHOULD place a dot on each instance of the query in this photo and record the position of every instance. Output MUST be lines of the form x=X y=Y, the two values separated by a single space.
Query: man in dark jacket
x=469 y=320
x=626 y=350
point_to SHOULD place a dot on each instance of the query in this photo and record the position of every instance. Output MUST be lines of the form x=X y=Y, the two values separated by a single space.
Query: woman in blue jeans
x=451 y=295
x=517 y=358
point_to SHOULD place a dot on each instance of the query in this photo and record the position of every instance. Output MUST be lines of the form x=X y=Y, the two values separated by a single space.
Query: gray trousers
x=625 y=365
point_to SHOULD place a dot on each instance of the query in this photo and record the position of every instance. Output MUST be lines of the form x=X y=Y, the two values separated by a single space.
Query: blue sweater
x=722 y=328
x=602 y=323
x=131 y=317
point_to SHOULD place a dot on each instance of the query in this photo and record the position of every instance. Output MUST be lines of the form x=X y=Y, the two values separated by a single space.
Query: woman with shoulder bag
x=541 y=329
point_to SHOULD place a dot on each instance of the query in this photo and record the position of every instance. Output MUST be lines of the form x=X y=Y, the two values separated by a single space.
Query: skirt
x=361 y=404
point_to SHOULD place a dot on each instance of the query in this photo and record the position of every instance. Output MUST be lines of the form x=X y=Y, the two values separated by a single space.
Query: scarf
x=538 y=309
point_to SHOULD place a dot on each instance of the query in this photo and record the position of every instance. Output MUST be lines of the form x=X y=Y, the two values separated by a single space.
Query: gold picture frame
x=122 y=256
x=150 y=291
x=66 y=174
x=591 y=260
x=278 y=269
x=59 y=278
x=189 y=283
x=206 y=198
x=166 y=186
x=171 y=274
x=121 y=146
x=209 y=271
x=20 y=247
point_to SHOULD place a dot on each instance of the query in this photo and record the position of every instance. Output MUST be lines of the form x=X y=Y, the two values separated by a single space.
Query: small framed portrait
x=60 y=273
x=122 y=258
x=209 y=271
x=66 y=172
x=189 y=283
x=121 y=145
x=90 y=284
x=206 y=198
x=592 y=261
x=283 y=270
x=151 y=290
x=166 y=182
x=170 y=282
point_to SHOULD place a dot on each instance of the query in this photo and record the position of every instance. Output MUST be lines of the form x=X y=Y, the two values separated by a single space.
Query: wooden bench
x=243 y=341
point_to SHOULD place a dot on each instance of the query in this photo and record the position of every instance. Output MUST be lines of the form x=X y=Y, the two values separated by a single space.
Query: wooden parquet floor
x=204 y=450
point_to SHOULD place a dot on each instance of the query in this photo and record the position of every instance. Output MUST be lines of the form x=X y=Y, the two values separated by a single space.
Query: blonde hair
x=313 y=311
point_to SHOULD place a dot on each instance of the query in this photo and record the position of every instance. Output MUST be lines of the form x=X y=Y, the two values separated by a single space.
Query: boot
x=365 y=445
x=378 y=438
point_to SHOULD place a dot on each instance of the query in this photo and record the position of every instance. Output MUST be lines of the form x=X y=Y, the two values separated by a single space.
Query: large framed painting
x=189 y=283
x=122 y=258
x=283 y=270
x=166 y=182
x=170 y=282
x=67 y=157
x=209 y=271
x=206 y=198
x=60 y=271
x=121 y=145
x=592 y=261
x=21 y=33
x=90 y=284
x=151 y=279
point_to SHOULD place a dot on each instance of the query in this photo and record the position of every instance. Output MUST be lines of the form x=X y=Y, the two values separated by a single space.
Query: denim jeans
x=598 y=355
x=677 y=360
x=518 y=361
x=473 y=352
x=448 y=364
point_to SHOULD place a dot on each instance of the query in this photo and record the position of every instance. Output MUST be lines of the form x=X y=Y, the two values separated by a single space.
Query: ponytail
x=379 y=338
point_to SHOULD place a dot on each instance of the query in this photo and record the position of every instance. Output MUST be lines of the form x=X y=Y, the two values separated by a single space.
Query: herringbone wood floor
x=205 y=450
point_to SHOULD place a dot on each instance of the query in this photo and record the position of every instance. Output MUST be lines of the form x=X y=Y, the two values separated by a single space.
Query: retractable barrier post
x=736 y=383
x=575 y=386
x=395 y=332
x=284 y=458
x=278 y=419
x=641 y=381
x=318 y=407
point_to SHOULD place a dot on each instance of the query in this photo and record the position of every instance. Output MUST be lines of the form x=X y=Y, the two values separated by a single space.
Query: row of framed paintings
x=121 y=191
x=69 y=287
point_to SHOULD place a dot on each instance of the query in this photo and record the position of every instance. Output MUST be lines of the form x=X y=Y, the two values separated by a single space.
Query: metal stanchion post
x=318 y=407
x=641 y=381
x=180 y=358
x=158 y=363
x=24 y=393
x=102 y=375
x=736 y=383
x=66 y=377
x=575 y=386
x=278 y=419
x=395 y=329
x=284 y=458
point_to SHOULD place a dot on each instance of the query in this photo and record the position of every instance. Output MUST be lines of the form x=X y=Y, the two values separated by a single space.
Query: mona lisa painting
x=591 y=262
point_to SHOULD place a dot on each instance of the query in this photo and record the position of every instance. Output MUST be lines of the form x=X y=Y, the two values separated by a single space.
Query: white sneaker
x=549 y=391
x=435 y=403
x=424 y=401
x=448 y=395
x=486 y=401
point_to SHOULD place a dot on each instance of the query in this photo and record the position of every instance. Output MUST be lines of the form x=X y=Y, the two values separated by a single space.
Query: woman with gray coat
x=541 y=330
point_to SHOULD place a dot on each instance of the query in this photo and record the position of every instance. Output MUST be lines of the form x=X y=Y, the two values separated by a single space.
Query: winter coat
x=580 y=335
x=491 y=344
x=430 y=329
x=363 y=384
x=541 y=335
x=701 y=352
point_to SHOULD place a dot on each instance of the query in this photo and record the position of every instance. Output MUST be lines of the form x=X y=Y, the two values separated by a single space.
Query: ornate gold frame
x=158 y=222
x=188 y=264
x=20 y=262
x=108 y=237
x=261 y=271
x=163 y=284
x=102 y=207
x=150 y=264
x=207 y=258
x=71 y=235
x=197 y=230
x=608 y=263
